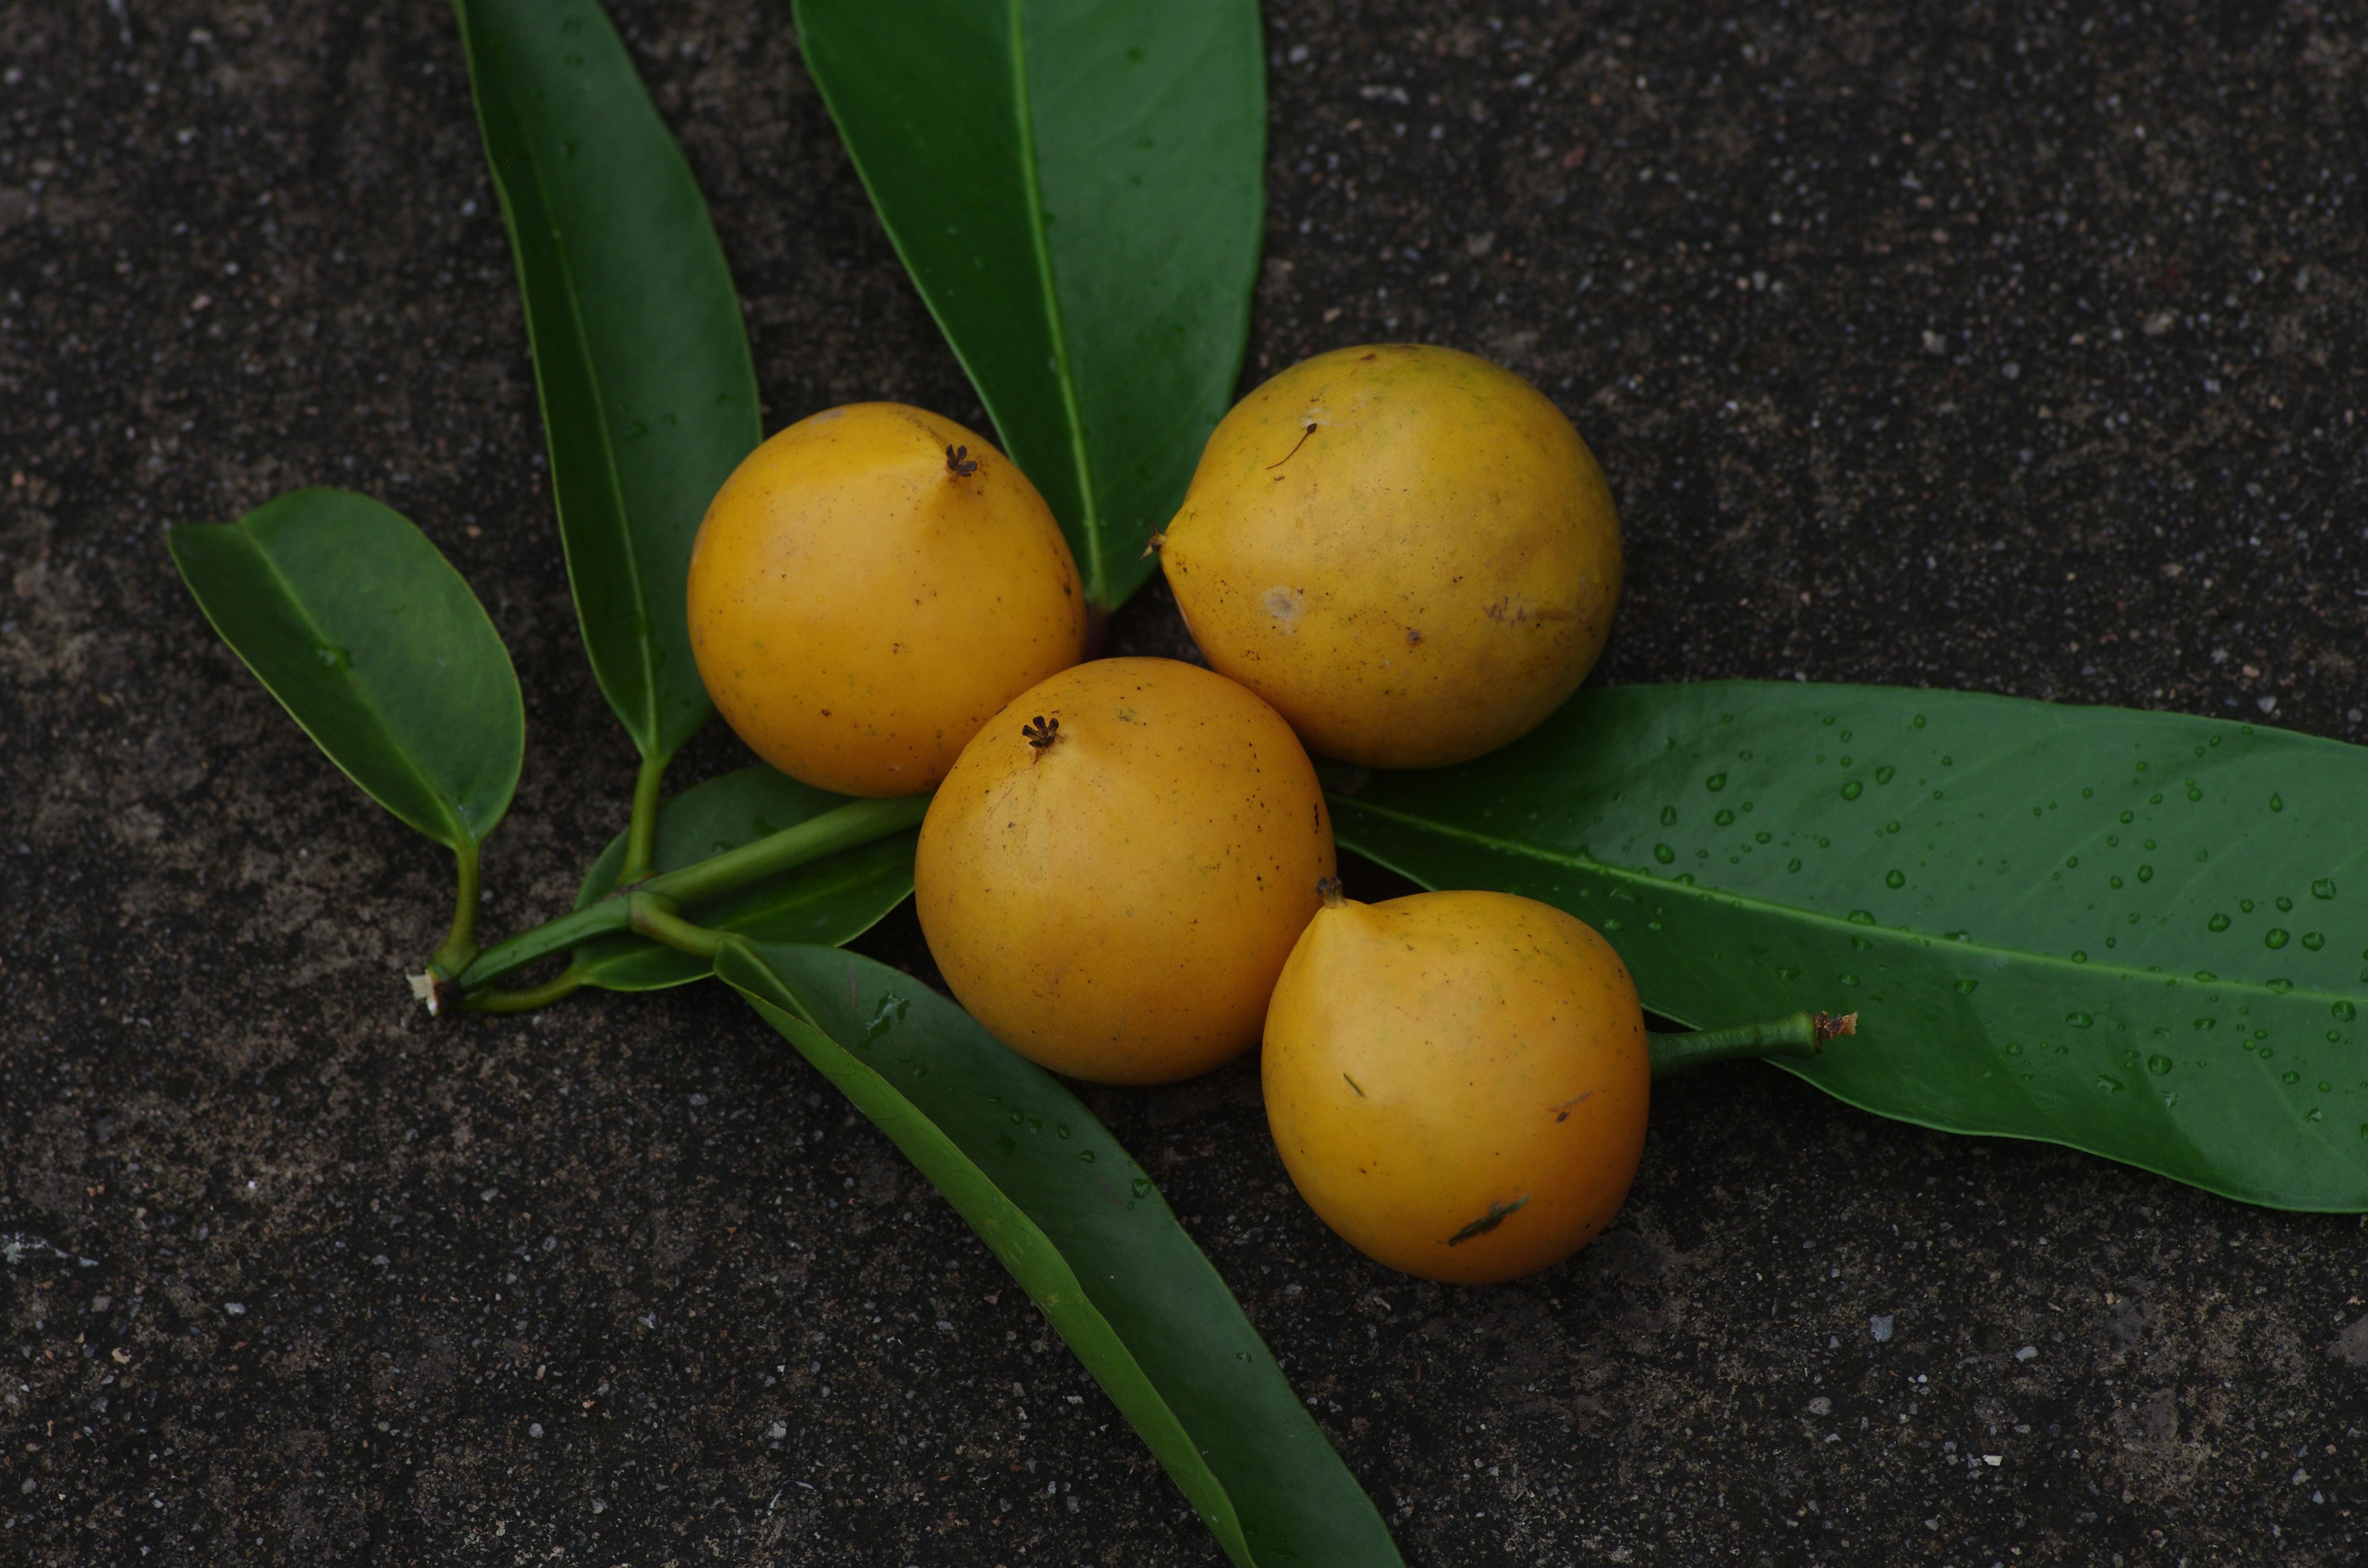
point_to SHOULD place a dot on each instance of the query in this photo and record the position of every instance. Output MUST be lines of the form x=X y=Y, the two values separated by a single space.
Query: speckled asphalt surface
x=2018 y=348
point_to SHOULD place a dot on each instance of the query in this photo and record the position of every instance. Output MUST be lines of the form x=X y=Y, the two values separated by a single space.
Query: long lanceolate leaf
x=1083 y=1229
x=1076 y=188
x=2138 y=934
x=368 y=637
x=829 y=901
x=648 y=397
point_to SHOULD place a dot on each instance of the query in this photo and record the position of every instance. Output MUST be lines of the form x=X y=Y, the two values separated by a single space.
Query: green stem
x=655 y=917
x=641 y=832
x=461 y=943
x=1800 y=1034
x=853 y=825
x=566 y=982
x=856 y=824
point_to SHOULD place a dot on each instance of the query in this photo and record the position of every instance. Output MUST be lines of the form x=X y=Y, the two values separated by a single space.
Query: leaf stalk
x=641 y=832
x=566 y=982
x=461 y=943
x=656 y=918
x=846 y=827
x=1796 y=1034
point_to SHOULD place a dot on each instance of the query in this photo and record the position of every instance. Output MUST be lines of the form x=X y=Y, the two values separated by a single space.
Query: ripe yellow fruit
x=1112 y=875
x=867 y=588
x=1457 y=1081
x=1406 y=549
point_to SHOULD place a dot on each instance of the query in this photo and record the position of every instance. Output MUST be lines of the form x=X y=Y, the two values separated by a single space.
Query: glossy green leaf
x=373 y=643
x=649 y=400
x=1077 y=187
x=1083 y=1229
x=2138 y=934
x=827 y=903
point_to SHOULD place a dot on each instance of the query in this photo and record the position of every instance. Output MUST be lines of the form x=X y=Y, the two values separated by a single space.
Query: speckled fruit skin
x=1439 y=1060
x=1406 y=549
x=1117 y=906
x=858 y=608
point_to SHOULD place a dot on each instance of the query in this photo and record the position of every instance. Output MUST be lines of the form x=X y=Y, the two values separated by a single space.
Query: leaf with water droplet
x=1984 y=865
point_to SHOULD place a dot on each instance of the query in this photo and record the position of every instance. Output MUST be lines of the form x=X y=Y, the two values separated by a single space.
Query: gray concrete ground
x=2018 y=348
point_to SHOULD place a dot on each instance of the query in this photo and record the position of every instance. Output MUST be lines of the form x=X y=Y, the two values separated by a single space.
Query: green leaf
x=373 y=643
x=1082 y=1227
x=827 y=903
x=1077 y=187
x=649 y=401
x=2142 y=935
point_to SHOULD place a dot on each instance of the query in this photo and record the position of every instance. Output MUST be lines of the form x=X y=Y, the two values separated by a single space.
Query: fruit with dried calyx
x=1405 y=548
x=1114 y=871
x=1458 y=1080
x=868 y=587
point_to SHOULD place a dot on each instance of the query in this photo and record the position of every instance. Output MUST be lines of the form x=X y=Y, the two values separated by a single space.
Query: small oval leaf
x=2086 y=941
x=827 y=903
x=649 y=400
x=374 y=644
x=1093 y=1243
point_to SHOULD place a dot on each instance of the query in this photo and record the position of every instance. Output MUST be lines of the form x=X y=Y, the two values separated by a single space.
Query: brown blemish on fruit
x=1352 y=1084
x=1413 y=637
x=960 y=463
x=1561 y=1111
x=1306 y=431
x=1042 y=733
x=1488 y=1221
x=1512 y=614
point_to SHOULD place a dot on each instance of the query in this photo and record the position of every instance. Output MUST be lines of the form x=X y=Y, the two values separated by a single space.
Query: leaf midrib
x=1226 y=1527
x=1089 y=525
x=583 y=354
x=1674 y=889
x=452 y=808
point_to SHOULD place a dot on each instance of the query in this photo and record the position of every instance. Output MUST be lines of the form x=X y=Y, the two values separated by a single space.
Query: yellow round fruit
x=1112 y=875
x=1457 y=1081
x=867 y=588
x=1406 y=549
